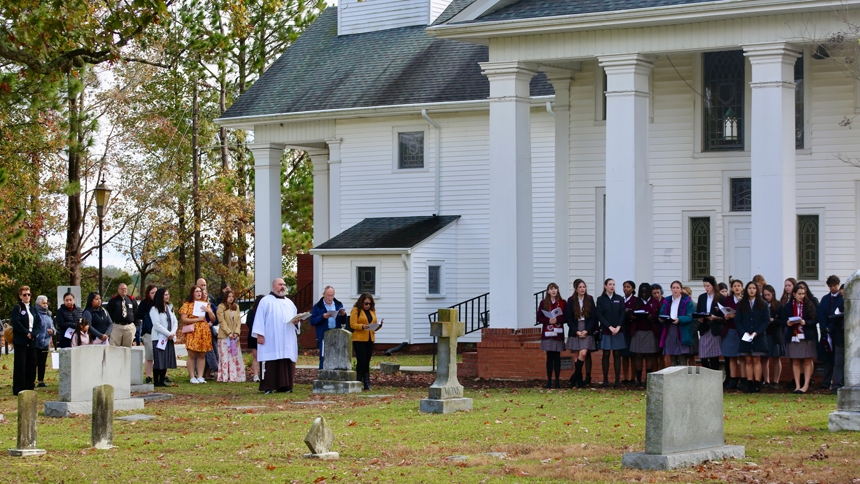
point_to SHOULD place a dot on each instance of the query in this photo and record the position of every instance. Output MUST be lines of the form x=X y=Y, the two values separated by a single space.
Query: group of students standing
x=745 y=324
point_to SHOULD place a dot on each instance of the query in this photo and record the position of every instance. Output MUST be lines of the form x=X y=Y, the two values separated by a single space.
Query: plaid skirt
x=551 y=345
x=672 y=345
x=801 y=350
x=710 y=346
x=643 y=342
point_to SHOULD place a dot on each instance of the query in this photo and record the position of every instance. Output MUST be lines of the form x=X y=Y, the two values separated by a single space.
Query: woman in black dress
x=610 y=314
x=775 y=339
x=252 y=341
x=752 y=322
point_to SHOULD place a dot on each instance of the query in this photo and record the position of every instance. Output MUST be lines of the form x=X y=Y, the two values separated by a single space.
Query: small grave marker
x=319 y=440
x=28 y=403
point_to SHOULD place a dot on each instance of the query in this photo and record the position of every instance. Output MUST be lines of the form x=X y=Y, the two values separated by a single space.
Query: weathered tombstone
x=337 y=375
x=319 y=440
x=137 y=363
x=446 y=393
x=683 y=420
x=86 y=367
x=102 y=431
x=28 y=411
x=389 y=368
x=847 y=414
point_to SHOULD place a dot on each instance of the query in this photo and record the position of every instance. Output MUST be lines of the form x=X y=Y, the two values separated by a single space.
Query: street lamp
x=102 y=197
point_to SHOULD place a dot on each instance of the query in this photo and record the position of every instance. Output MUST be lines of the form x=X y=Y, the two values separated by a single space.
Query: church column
x=320 y=161
x=628 y=251
x=510 y=218
x=560 y=80
x=774 y=213
x=267 y=214
x=334 y=186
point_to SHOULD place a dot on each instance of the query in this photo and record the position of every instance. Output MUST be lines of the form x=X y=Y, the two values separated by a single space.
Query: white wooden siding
x=543 y=197
x=357 y=16
x=295 y=132
x=442 y=247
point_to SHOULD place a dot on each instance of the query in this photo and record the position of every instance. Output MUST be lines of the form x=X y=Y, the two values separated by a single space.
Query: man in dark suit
x=25 y=327
x=833 y=326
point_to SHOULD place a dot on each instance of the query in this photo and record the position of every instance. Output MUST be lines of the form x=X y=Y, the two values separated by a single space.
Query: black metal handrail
x=474 y=312
x=538 y=298
x=304 y=297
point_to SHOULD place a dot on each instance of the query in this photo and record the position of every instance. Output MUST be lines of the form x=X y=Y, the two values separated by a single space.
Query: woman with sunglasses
x=361 y=319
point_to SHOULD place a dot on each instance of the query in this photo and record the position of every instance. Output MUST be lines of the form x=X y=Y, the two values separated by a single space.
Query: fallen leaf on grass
x=270 y=467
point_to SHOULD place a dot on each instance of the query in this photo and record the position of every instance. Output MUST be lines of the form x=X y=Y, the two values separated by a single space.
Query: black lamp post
x=102 y=197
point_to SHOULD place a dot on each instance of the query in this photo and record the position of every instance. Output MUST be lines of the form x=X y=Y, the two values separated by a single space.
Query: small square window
x=366 y=279
x=434 y=280
x=410 y=149
x=741 y=195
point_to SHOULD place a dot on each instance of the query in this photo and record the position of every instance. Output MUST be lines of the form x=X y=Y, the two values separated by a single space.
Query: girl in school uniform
x=631 y=303
x=753 y=317
x=677 y=336
x=610 y=314
x=731 y=338
x=552 y=340
x=582 y=319
x=787 y=291
x=653 y=307
x=801 y=335
x=775 y=339
x=643 y=342
x=710 y=328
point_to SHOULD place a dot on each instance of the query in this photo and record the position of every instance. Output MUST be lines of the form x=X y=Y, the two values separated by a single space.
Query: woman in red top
x=551 y=316
x=798 y=317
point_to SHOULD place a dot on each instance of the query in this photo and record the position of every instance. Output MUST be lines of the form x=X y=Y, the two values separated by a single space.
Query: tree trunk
x=195 y=179
x=226 y=240
x=74 y=213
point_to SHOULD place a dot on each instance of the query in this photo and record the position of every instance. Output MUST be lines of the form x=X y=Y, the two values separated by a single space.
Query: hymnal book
x=555 y=313
x=666 y=318
x=701 y=315
x=299 y=317
x=794 y=319
x=69 y=333
x=374 y=326
x=640 y=312
x=162 y=343
x=726 y=310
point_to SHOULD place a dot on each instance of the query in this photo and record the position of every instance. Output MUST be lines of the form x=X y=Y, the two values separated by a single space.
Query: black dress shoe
x=167 y=380
x=617 y=384
x=798 y=392
x=605 y=384
x=41 y=384
x=557 y=384
x=548 y=384
x=148 y=380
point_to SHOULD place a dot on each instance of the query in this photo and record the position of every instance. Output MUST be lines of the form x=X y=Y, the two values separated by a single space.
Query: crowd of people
x=745 y=324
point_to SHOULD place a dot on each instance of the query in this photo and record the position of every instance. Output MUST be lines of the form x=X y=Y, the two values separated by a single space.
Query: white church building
x=466 y=147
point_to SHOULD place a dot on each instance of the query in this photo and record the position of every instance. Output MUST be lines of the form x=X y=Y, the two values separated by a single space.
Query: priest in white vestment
x=277 y=342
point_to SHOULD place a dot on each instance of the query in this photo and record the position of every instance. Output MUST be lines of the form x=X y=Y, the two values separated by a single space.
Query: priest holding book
x=276 y=328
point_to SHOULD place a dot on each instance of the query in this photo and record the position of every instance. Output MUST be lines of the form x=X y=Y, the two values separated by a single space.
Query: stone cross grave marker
x=28 y=403
x=337 y=375
x=446 y=393
x=102 y=431
x=847 y=414
x=319 y=440
x=683 y=420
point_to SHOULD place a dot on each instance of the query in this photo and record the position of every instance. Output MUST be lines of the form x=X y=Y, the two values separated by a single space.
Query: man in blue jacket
x=26 y=325
x=833 y=325
x=327 y=314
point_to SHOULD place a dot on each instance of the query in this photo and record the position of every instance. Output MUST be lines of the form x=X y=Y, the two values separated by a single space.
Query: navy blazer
x=573 y=323
x=829 y=324
x=610 y=312
x=21 y=325
x=810 y=330
x=320 y=323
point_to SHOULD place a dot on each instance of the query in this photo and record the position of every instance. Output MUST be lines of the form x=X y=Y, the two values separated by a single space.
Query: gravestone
x=137 y=364
x=446 y=393
x=683 y=420
x=102 y=431
x=389 y=368
x=847 y=414
x=86 y=367
x=337 y=375
x=28 y=411
x=319 y=440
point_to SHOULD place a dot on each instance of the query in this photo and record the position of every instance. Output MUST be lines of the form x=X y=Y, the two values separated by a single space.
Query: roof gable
x=527 y=9
x=387 y=233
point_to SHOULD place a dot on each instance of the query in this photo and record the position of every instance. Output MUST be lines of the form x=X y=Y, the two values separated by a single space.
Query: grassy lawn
x=401 y=359
x=547 y=436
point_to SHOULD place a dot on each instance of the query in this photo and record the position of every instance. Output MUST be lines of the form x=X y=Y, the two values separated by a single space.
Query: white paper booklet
x=198 y=309
x=747 y=337
x=726 y=311
x=162 y=343
x=374 y=326
x=552 y=314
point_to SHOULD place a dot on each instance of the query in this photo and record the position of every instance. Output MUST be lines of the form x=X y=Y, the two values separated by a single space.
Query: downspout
x=549 y=108
x=407 y=266
x=438 y=159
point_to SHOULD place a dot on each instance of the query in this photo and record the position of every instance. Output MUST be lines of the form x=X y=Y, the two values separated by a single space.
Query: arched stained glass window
x=807 y=247
x=723 y=91
x=700 y=247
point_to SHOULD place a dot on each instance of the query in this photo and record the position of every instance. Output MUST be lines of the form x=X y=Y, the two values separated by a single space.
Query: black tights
x=711 y=363
x=616 y=360
x=553 y=364
x=41 y=363
x=158 y=377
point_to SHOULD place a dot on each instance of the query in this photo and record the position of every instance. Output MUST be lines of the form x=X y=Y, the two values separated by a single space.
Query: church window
x=723 y=92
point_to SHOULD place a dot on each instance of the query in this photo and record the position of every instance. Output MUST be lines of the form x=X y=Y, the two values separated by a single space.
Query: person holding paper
x=66 y=320
x=799 y=318
x=550 y=315
x=677 y=336
x=775 y=339
x=832 y=323
x=43 y=340
x=709 y=341
x=753 y=316
x=276 y=329
x=610 y=314
x=198 y=332
x=328 y=313
x=582 y=319
x=142 y=315
x=164 y=326
x=643 y=341
x=731 y=339
x=100 y=322
x=362 y=320
x=231 y=366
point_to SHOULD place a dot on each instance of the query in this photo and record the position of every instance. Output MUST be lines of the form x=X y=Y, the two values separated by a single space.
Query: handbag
x=7 y=333
x=188 y=328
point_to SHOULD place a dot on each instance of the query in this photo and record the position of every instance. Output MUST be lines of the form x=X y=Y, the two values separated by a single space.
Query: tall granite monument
x=683 y=420
x=847 y=414
x=446 y=393
x=337 y=375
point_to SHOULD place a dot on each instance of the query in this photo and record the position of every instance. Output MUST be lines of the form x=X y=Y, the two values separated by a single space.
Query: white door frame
x=728 y=221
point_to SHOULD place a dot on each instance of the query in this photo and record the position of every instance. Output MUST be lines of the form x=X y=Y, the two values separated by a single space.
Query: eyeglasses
x=367 y=303
x=25 y=295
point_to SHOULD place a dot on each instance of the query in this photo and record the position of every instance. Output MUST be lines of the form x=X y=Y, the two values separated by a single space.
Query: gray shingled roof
x=527 y=9
x=324 y=71
x=389 y=232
